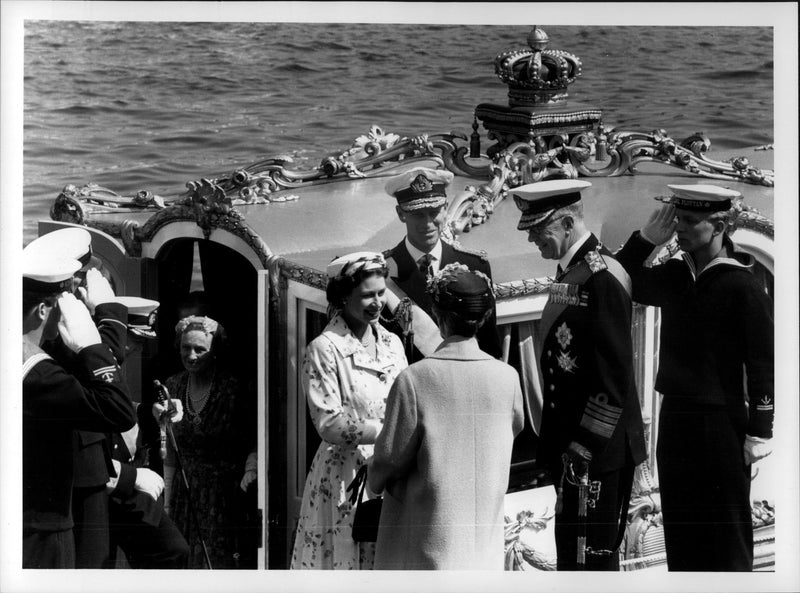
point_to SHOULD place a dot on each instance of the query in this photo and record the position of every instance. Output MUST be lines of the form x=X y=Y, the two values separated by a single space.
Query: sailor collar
x=737 y=259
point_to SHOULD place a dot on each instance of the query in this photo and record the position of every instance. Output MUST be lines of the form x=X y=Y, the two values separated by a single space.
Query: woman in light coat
x=347 y=372
x=442 y=460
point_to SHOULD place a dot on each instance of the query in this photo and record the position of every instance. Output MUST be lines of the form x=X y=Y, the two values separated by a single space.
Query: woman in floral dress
x=215 y=441
x=347 y=373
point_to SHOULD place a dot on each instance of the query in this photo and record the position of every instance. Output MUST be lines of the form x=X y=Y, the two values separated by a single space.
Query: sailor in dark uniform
x=715 y=373
x=55 y=401
x=93 y=465
x=421 y=205
x=137 y=522
x=592 y=435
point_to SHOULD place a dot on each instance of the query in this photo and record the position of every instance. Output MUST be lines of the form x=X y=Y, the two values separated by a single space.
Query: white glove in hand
x=756 y=448
x=149 y=482
x=76 y=326
x=661 y=225
x=172 y=410
x=97 y=290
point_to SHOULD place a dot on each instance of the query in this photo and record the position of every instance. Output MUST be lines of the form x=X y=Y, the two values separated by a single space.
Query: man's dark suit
x=404 y=271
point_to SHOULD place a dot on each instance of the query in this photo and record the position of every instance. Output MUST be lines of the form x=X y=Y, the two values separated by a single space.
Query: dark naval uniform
x=93 y=466
x=138 y=523
x=406 y=274
x=590 y=398
x=716 y=376
x=54 y=403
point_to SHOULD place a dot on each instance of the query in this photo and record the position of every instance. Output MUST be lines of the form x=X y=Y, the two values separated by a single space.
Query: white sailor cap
x=420 y=188
x=142 y=315
x=347 y=265
x=48 y=274
x=538 y=201
x=73 y=242
x=702 y=198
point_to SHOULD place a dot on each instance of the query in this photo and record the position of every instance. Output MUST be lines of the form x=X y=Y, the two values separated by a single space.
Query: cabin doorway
x=203 y=277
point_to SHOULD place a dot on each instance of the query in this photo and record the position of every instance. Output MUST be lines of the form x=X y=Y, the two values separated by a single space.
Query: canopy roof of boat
x=334 y=219
x=343 y=216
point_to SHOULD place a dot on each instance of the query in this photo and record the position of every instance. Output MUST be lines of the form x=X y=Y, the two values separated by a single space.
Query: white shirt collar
x=567 y=257
x=436 y=253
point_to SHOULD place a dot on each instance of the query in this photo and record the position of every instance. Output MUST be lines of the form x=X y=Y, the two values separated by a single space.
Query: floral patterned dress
x=346 y=391
x=213 y=447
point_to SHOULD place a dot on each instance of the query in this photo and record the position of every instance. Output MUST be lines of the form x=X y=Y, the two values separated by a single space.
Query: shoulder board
x=595 y=261
x=461 y=249
x=388 y=253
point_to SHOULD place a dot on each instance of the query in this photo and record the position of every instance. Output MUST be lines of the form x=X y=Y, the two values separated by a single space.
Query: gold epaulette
x=595 y=261
x=459 y=247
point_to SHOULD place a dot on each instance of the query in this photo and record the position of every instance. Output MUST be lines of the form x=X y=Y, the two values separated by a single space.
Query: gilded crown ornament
x=537 y=75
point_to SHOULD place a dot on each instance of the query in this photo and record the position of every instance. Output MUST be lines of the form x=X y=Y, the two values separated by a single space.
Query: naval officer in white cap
x=421 y=196
x=591 y=420
x=86 y=392
x=715 y=373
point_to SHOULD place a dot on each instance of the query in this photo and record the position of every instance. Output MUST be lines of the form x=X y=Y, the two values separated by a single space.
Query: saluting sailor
x=422 y=206
x=86 y=393
x=715 y=372
x=591 y=422
x=93 y=465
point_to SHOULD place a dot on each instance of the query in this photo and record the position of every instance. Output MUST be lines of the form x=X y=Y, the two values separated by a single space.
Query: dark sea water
x=151 y=105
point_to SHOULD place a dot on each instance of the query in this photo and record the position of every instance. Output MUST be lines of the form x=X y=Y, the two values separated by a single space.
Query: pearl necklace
x=195 y=406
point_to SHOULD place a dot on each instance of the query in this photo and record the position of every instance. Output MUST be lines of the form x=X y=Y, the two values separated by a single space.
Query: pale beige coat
x=443 y=459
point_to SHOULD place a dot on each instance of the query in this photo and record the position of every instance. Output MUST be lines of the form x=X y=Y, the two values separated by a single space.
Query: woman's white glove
x=149 y=482
x=172 y=409
x=660 y=226
x=76 y=326
x=97 y=290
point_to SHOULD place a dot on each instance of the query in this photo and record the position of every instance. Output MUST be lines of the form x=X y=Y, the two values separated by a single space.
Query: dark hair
x=340 y=287
x=459 y=324
x=31 y=298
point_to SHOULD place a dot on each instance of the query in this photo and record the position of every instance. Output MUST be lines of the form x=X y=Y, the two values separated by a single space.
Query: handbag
x=367 y=513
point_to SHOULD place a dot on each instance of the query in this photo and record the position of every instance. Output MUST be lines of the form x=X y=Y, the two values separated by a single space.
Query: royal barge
x=257 y=240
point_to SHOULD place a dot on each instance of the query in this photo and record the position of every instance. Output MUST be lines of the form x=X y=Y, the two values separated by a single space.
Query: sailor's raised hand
x=76 y=327
x=96 y=291
x=660 y=226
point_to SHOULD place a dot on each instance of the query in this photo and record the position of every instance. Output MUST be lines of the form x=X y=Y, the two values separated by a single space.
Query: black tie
x=559 y=271
x=424 y=265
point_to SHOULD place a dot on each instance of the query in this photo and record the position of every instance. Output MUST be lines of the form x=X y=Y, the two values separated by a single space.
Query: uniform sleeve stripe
x=610 y=412
x=598 y=427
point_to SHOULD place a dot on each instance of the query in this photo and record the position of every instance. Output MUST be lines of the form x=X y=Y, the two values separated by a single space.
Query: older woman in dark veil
x=442 y=460
x=347 y=372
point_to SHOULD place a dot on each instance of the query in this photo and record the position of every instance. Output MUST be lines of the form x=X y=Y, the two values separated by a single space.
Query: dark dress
x=213 y=447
